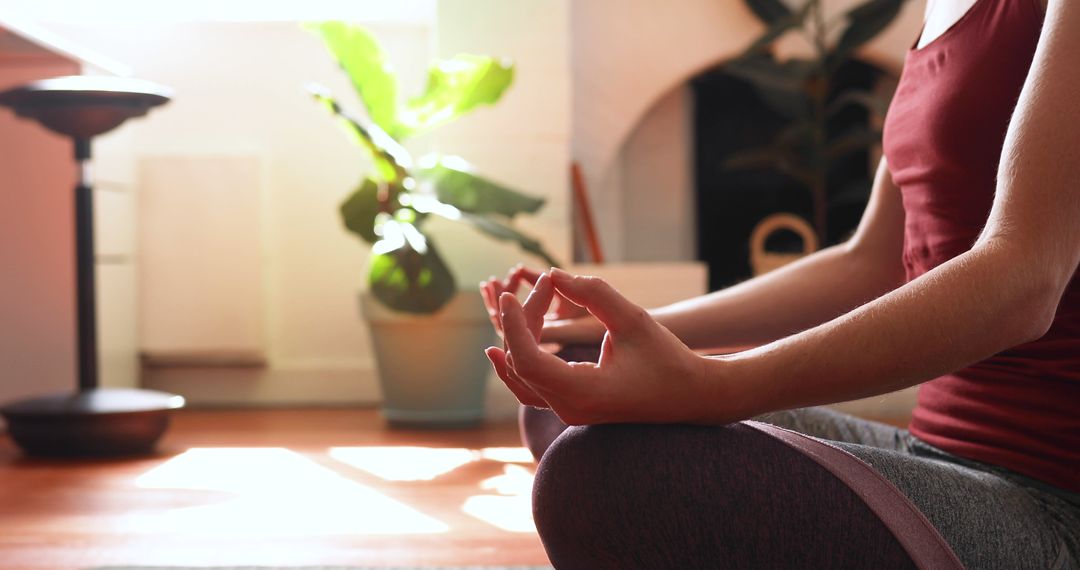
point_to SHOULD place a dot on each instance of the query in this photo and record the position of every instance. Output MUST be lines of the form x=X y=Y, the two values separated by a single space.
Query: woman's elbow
x=1035 y=311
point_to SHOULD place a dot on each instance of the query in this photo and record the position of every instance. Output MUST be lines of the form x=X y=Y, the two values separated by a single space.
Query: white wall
x=239 y=96
x=655 y=172
x=525 y=140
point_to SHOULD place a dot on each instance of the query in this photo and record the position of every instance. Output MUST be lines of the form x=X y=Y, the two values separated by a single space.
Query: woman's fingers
x=490 y=293
x=521 y=391
x=541 y=370
x=616 y=312
x=537 y=304
x=527 y=274
x=513 y=280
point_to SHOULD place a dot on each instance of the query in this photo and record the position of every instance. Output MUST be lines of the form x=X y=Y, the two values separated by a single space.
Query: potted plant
x=428 y=337
x=805 y=91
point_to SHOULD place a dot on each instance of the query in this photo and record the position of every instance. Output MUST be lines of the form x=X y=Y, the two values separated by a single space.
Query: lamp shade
x=84 y=106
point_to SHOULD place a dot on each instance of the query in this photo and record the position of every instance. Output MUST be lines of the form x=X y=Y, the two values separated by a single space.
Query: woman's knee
x=674 y=496
x=608 y=496
x=538 y=428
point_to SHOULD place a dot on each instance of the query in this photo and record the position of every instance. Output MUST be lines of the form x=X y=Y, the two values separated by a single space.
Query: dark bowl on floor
x=91 y=423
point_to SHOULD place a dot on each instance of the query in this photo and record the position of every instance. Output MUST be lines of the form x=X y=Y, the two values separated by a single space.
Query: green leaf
x=426 y=203
x=754 y=158
x=869 y=101
x=391 y=159
x=778 y=28
x=772 y=157
x=454 y=183
x=783 y=86
x=800 y=147
x=769 y=11
x=764 y=72
x=407 y=273
x=504 y=232
x=792 y=152
x=455 y=87
x=363 y=60
x=865 y=22
x=854 y=140
x=358 y=211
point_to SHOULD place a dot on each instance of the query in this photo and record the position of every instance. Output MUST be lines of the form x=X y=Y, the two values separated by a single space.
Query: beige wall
x=239 y=97
x=655 y=171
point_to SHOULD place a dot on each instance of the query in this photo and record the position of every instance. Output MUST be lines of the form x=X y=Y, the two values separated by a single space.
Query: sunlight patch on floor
x=272 y=492
x=401 y=463
x=511 y=508
x=405 y=463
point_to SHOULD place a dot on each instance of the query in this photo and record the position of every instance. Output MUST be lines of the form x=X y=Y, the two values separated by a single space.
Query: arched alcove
x=631 y=61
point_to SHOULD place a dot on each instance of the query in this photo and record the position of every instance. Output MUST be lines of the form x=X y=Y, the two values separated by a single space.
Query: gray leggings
x=992 y=517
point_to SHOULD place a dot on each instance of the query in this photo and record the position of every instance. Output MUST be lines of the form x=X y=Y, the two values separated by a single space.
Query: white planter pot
x=432 y=368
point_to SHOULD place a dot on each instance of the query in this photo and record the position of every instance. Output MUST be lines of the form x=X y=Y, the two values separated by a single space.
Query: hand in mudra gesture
x=644 y=374
x=560 y=308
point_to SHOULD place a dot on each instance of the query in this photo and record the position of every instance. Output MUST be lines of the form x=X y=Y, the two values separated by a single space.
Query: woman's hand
x=563 y=322
x=645 y=374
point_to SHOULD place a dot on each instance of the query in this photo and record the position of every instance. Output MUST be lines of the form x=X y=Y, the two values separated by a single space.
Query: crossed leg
x=637 y=496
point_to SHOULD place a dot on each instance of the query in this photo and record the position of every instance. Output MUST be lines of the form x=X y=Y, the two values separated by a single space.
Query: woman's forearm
x=806 y=293
x=803 y=294
x=935 y=324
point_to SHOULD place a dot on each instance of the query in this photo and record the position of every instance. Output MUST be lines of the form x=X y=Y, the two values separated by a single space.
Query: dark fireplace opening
x=730 y=116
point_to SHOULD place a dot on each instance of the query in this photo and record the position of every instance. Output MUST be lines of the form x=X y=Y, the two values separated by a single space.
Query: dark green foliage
x=769 y=11
x=864 y=22
x=455 y=184
x=800 y=89
x=411 y=281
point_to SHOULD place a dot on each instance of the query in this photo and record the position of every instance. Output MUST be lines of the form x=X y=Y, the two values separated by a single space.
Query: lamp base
x=98 y=422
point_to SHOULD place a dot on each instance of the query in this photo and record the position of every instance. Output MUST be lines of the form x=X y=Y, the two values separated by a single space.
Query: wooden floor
x=277 y=487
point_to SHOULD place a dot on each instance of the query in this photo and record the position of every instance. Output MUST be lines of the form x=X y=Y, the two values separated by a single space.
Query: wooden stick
x=581 y=200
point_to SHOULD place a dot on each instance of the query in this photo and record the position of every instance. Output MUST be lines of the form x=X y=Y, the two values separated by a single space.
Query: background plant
x=390 y=205
x=803 y=90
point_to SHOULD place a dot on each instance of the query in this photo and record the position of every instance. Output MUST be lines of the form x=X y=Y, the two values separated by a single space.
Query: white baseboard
x=233 y=386
x=255 y=386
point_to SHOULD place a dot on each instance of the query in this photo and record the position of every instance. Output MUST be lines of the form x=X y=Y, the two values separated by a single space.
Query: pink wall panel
x=37 y=267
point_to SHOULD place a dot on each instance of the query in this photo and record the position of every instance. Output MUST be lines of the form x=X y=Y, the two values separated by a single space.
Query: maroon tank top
x=944 y=133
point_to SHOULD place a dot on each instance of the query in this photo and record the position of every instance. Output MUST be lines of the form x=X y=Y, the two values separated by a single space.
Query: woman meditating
x=962 y=276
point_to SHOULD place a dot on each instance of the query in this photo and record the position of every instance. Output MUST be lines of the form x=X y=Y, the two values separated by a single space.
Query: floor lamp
x=92 y=421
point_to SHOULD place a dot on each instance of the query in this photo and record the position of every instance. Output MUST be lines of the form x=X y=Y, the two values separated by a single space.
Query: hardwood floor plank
x=276 y=487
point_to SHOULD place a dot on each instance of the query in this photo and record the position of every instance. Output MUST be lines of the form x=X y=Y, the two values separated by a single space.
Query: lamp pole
x=92 y=421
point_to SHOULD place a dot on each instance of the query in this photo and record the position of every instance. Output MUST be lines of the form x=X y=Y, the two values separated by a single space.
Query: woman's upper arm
x=879 y=239
x=1036 y=211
